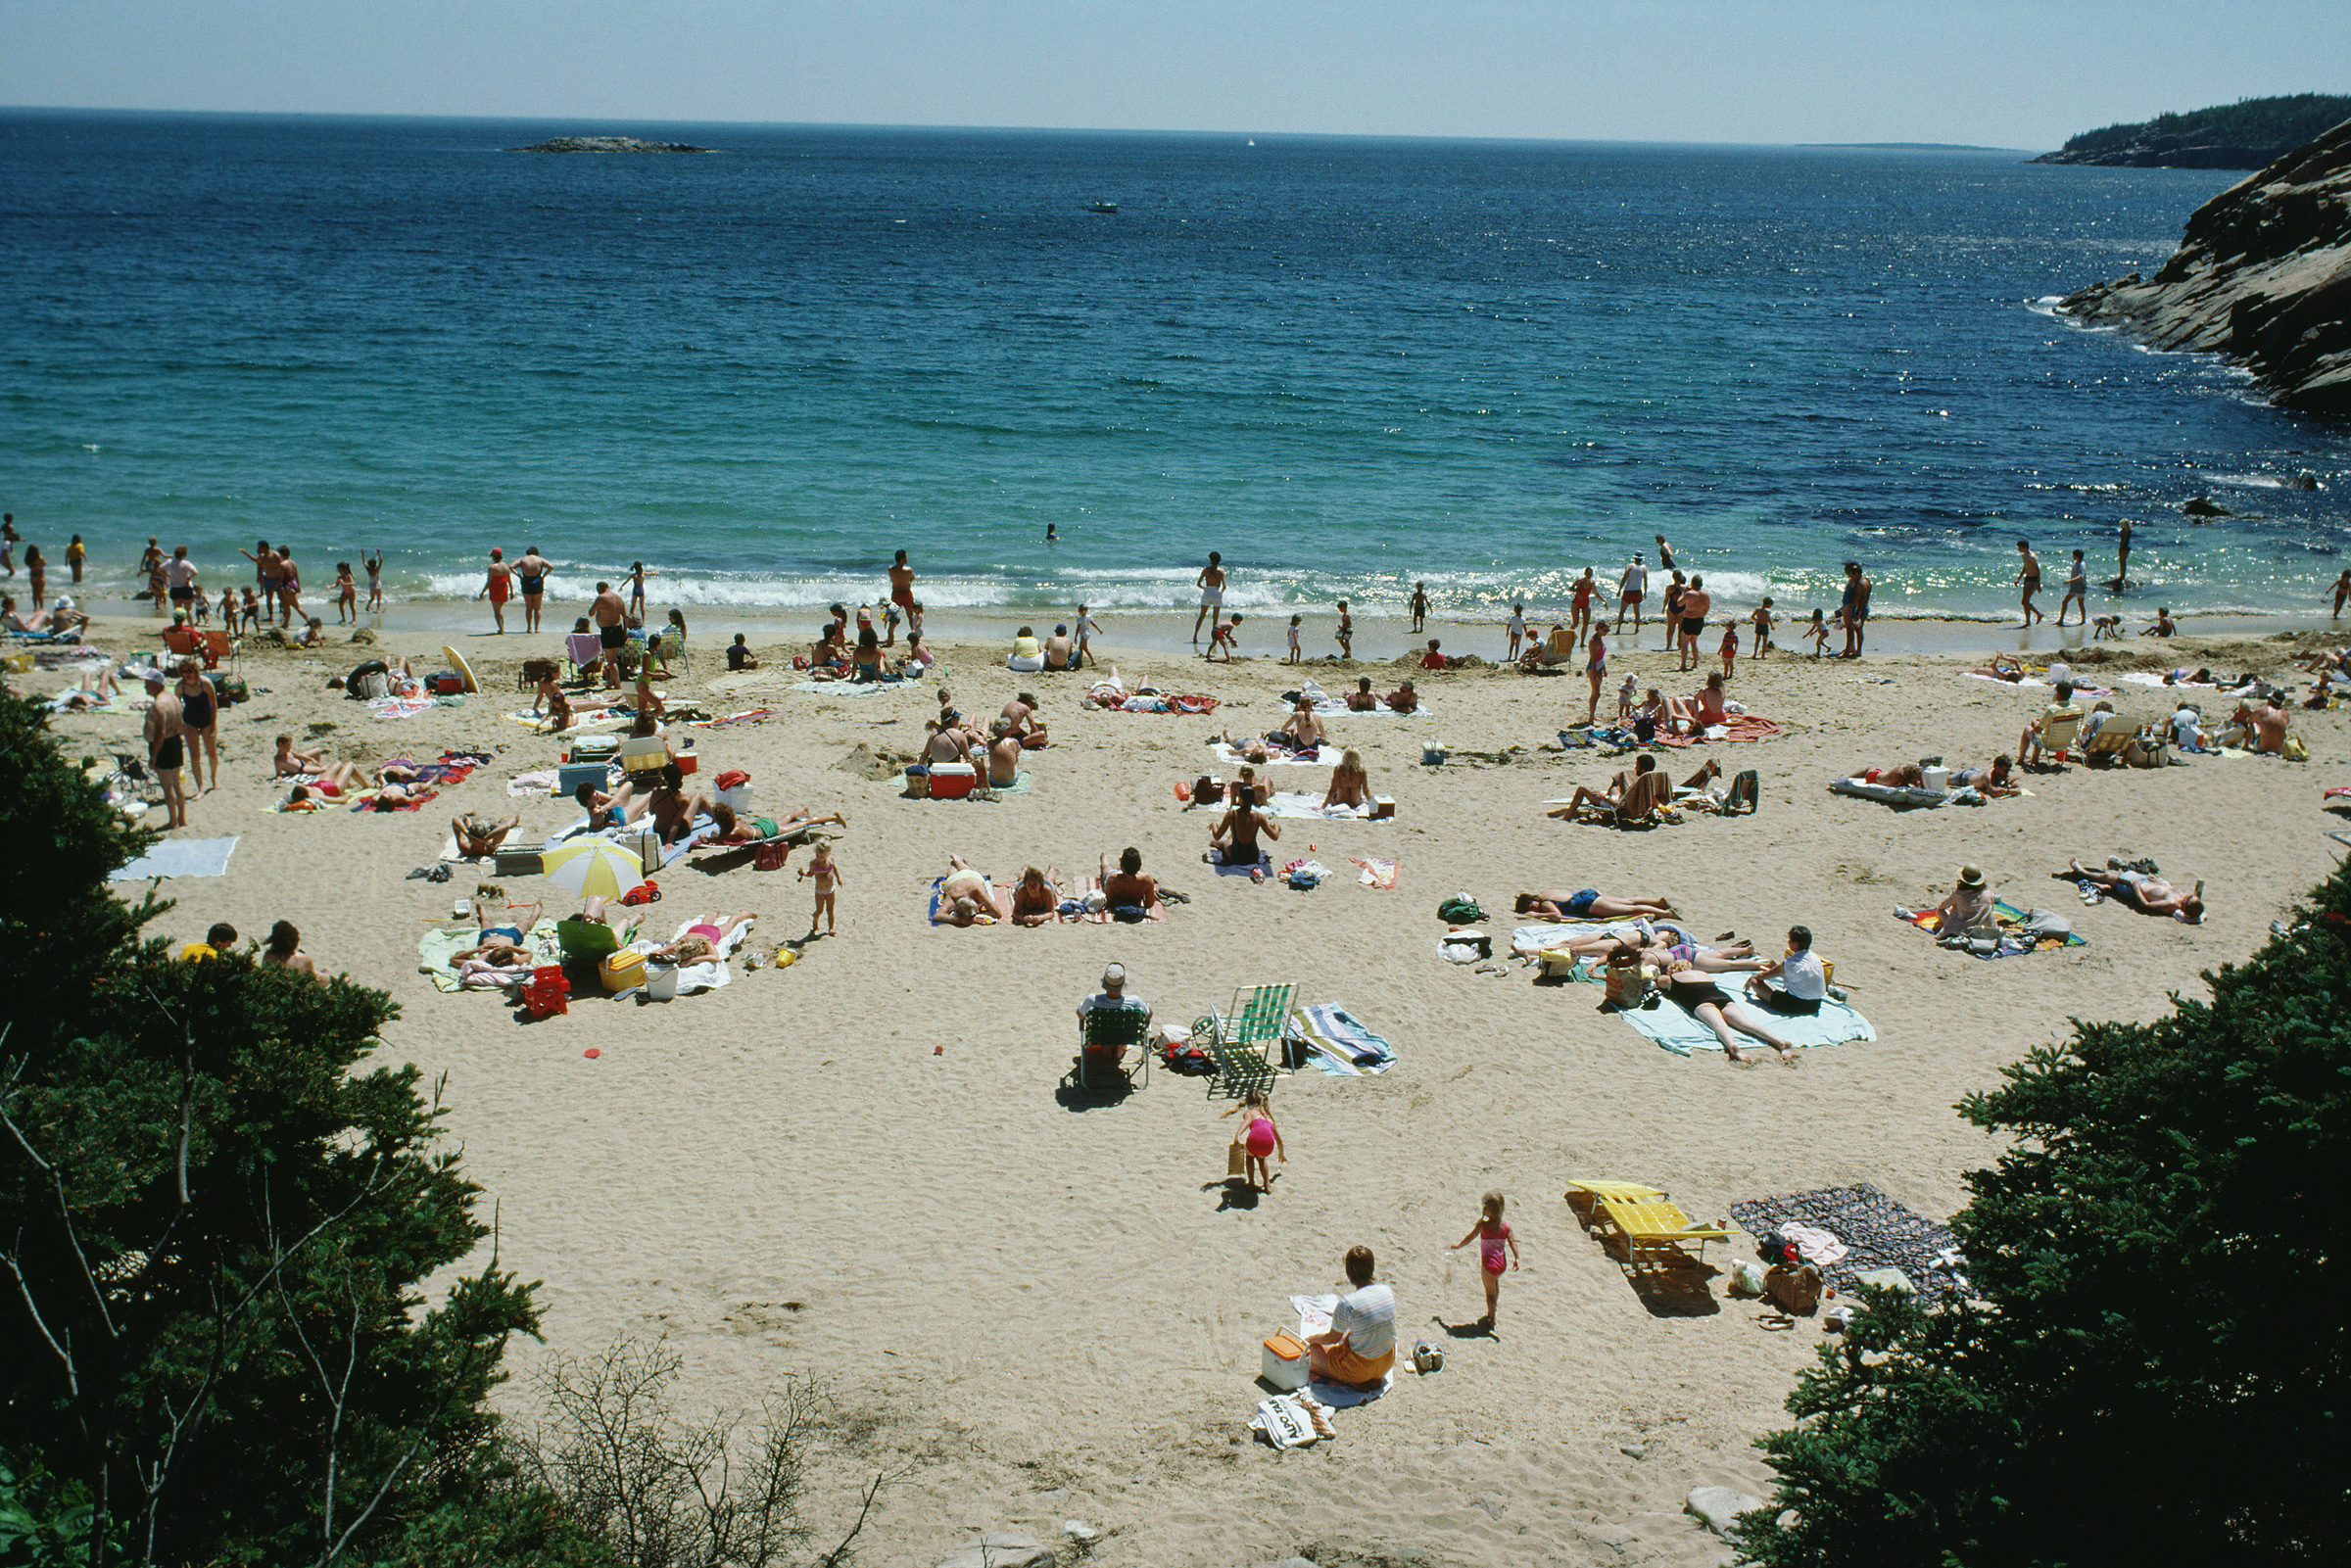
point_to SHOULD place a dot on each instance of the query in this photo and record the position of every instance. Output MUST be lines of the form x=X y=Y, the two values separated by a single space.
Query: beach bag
x=770 y=854
x=1460 y=910
x=2042 y=924
x=1794 y=1289
x=1428 y=1359
x=1747 y=1279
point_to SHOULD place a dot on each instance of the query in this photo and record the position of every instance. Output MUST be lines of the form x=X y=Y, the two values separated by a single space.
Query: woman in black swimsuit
x=200 y=715
x=1694 y=989
x=530 y=575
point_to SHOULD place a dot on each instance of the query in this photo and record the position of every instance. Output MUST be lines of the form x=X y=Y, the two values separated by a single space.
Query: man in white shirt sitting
x=1800 y=980
x=1359 y=1348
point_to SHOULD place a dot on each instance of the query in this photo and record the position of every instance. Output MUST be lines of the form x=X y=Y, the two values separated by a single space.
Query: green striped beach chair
x=1242 y=1041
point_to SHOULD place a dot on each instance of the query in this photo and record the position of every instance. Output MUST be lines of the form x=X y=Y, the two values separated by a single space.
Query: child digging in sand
x=1492 y=1234
x=821 y=866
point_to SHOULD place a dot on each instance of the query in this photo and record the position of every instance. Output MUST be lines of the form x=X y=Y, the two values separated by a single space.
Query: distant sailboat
x=1107 y=209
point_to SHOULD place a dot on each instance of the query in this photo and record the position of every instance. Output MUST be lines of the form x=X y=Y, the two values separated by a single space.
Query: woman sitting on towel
x=1234 y=842
x=1358 y=1350
x=1027 y=654
x=1302 y=731
x=671 y=808
x=1362 y=699
x=1970 y=911
x=1349 y=785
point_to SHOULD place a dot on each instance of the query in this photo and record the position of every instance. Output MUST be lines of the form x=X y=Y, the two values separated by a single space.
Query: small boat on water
x=1107 y=209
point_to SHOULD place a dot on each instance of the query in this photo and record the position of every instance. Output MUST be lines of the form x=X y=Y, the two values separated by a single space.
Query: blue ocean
x=1347 y=364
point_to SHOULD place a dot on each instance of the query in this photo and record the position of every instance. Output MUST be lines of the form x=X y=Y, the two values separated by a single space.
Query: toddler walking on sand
x=1294 y=653
x=1492 y=1234
x=1257 y=1138
x=1818 y=632
x=826 y=872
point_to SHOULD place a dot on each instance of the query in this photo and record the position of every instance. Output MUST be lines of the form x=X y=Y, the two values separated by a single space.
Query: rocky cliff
x=606 y=144
x=2263 y=275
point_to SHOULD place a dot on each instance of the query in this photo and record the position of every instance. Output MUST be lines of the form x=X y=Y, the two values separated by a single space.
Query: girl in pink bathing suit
x=1492 y=1236
x=1258 y=1139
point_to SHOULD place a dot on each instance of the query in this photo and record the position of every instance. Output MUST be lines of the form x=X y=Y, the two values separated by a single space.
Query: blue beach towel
x=1679 y=1031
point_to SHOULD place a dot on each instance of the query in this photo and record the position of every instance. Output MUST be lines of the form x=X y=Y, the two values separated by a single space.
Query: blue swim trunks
x=1581 y=903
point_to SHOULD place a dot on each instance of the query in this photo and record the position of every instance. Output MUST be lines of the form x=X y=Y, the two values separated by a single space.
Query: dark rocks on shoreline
x=2170 y=152
x=606 y=144
x=2263 y=275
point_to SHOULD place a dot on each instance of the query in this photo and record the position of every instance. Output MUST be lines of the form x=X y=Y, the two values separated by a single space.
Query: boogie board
x=457 y=662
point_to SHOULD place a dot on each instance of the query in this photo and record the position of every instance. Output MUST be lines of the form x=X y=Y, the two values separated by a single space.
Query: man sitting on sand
x=2148 y=894
x=1631 y=798
x=1003 y=755
x=1234 y=842
x=1358 y=1350
x=1127 y=889
x=1404 y=699
x=1796 y=985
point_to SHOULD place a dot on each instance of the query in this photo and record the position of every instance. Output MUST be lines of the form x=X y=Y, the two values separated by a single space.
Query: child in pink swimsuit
x=1258 y=1139
x=1492 y=1236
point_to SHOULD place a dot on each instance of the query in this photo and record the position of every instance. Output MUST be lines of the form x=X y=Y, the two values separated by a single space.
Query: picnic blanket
x=1231 y=758
x=1376 y=873
x=998 y=910
x=2011 y=945
x=1679 y=1030
x=449 y=768
x=1343 y=1045
x=409 y=707
x=1876 y=1231
x=179 y=857
x=434 y=949
x=1295 y=803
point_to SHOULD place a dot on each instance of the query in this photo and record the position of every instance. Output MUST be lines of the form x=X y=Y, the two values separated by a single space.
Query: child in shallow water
x=1492 y=1235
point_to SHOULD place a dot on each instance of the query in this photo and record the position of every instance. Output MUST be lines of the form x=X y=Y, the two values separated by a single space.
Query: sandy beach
x=1042 y=1306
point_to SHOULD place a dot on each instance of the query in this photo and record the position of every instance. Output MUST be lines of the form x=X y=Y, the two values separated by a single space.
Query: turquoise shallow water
x=1347 y=364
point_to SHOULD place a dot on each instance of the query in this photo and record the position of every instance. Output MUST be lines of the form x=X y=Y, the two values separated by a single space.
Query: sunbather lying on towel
x=964 y=897
x=1037 y=896
x=1995 y=780
x=1695 y=988
x=1589 y=904
x=702 y=939
x=500 y=939
x=478 y=836
x=2148 y=894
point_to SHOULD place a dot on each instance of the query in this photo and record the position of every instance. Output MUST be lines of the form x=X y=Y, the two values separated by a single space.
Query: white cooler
x=1938 y=778
x=738 y=799
x=1285 y=1363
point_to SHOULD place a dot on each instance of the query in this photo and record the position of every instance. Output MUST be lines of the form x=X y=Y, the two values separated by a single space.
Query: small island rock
x=606 y=144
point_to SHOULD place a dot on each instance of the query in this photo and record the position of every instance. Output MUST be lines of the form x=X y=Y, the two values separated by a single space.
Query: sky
x=1993 y=72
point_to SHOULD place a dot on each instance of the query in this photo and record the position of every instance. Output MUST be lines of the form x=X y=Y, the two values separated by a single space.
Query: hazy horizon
x=1772 y=73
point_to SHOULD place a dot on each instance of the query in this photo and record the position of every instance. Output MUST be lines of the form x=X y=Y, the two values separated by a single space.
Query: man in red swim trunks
x=500 y=587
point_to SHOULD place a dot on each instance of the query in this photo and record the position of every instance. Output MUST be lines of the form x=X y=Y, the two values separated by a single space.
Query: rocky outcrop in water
x=2262 y=275
x=606 y=144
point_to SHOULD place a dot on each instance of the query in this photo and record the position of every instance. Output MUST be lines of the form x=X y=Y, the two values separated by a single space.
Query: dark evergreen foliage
x=2272 y=123
x=2154 y=1367
x=214 y=1220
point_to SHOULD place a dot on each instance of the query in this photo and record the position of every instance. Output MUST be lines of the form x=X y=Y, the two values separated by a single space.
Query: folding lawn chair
x=1242 y=1041
x=1110 y=1034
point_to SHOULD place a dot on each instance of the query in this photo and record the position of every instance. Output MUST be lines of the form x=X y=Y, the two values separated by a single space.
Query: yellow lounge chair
x=1654 y=1230
x=2052 y=735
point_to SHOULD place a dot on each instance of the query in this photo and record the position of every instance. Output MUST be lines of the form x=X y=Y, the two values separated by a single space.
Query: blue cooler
x=571 y=774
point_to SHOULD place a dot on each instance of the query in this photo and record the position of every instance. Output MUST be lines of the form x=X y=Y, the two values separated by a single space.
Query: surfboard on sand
x=457 y=662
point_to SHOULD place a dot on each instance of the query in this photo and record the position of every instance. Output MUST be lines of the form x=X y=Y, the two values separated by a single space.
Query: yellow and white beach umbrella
x=589 y=867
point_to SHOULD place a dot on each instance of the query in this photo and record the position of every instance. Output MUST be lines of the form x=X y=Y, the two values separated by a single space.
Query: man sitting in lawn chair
x=1108 y=1022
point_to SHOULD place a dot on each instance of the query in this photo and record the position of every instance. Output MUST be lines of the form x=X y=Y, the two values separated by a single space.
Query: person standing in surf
x=1211 y=584
x=2122 y=559
x=1629 y=590
x=611 y=618
x=498 y=584
x=530 y=575
x=1854 y=611
x=2028 y=578
x=901 y=593
x=2077 y=589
